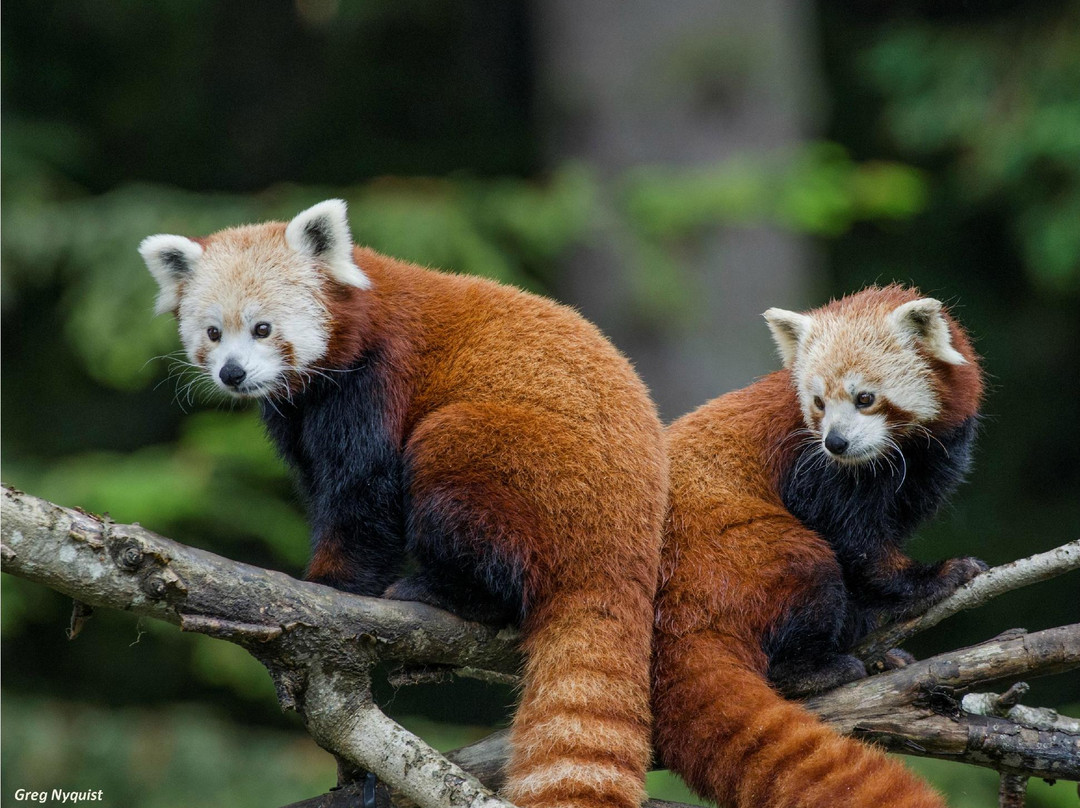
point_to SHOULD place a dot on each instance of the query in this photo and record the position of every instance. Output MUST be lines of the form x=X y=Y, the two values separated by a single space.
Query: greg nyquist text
x=57 y=795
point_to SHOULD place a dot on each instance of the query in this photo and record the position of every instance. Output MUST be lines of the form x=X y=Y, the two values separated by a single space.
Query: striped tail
x=581 y=736
x=736 y=741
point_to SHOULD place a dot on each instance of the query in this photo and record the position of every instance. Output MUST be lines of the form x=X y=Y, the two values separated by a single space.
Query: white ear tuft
x=170 y=259
x=788 y=328
x=322 y=232
x=922 y=320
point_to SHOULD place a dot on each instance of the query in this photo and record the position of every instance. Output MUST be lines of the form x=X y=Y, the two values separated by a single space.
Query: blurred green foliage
x=952 y=161
x=180 y=755
x=1000 y=99
x=819 y=190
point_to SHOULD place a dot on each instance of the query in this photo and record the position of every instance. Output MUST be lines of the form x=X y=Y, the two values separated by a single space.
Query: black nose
x=231 y=373
x=835 y=442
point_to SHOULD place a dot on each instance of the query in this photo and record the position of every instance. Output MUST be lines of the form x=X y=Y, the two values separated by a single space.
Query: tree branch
x=101 y=563
x=1012 y=792
x=320 y=644
x=341 y=716
x=916 y=711
x=980 y=590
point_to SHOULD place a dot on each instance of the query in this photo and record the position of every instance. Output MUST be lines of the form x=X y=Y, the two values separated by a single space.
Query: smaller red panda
x=790 y=503
x=493 y=436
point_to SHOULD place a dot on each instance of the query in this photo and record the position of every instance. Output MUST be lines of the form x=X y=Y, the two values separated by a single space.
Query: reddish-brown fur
x=326 y=562
x=522 y=416
x=524 y=405
x=734 y=562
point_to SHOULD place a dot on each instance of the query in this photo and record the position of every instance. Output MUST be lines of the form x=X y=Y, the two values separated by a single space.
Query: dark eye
x=261 y=330
x=864 y=400
x=214 y=333
x=819 y=403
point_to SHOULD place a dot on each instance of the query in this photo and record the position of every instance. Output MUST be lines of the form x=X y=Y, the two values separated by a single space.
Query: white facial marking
x=867 y=435
x=247 y=277
x=836 y=355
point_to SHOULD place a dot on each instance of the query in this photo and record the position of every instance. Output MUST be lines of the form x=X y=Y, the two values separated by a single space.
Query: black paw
x=958 y=571
x=471 y=606
x=416 y=589
x=798 y=679
x=896 y=658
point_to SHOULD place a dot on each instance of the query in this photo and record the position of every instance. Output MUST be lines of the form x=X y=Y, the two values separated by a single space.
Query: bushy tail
x=736 y=741
x=581 y=736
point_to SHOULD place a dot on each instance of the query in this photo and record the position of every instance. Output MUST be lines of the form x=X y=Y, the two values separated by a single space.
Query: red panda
x=493 y=436
x=790 y=501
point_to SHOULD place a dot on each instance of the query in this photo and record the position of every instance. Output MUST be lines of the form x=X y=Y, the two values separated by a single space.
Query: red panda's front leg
x=804 y=647
x=352 y=558
x=890 y=580
x=344 y=449
x=357 y=521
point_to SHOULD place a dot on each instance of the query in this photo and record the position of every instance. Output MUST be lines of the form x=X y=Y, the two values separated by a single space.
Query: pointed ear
x=788 y=328
x=322 y=231
x=922 y=320
x=171 y=260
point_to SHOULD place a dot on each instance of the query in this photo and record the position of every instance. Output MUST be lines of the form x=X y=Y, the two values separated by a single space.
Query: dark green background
x=950 y=158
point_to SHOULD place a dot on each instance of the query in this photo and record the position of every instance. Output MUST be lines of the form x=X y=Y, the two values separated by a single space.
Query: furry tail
x=736 y=741
x=581 y=736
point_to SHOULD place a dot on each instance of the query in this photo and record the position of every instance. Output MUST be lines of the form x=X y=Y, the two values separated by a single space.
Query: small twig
x=995 y=703
x=1012 y=793
x=1043 y=718
x=983 y=588
x=1012 y=696
x=80 y=613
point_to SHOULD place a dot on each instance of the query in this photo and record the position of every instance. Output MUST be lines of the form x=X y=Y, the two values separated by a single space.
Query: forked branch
x=319 y=646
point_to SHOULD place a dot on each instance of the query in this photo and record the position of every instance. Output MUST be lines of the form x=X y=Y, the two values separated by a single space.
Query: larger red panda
x=494 y=436
x=790 y=502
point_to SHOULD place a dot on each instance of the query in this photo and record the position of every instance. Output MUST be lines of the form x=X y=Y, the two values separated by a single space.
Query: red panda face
x=250 y=301
x=865 y=374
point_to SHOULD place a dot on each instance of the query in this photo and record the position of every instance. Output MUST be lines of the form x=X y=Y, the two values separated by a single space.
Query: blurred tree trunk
x=681 y=84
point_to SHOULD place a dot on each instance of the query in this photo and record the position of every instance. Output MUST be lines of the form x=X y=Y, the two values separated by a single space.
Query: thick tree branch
x=318 y=644
x=980 y=590
x=127 y=567
x=340 y=715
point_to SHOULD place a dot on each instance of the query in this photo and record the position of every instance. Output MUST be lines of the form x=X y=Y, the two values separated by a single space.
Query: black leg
x=468 y=601
x=796 y=678
x=903 y=588
x=804 y=650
